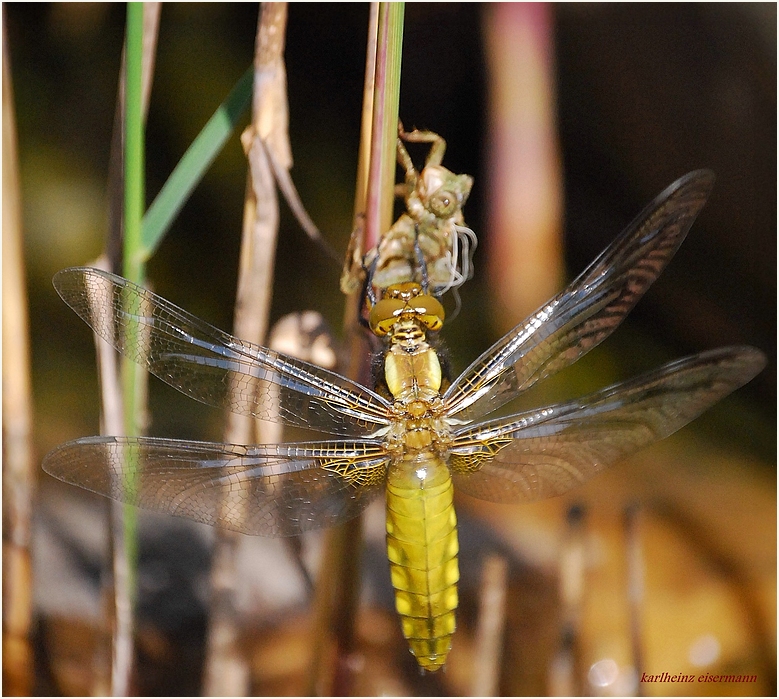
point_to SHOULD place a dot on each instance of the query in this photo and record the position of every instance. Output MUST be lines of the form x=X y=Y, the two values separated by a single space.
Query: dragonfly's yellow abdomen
x=422 y=548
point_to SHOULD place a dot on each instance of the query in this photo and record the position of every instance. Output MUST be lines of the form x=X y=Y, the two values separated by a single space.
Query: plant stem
x=134 y=193
x=227 y=671
x=384 y=134
x=19 y=475
x=338 y=585
x=133 y=267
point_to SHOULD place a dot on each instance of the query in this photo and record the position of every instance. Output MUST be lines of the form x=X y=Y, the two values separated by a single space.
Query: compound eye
x=384 y=315
x=444 y=204
x=429 y=311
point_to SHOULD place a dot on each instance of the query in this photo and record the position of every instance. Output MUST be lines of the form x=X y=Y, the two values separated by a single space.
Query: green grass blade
x=194 y=164
x=134 y=166
x=133 y=265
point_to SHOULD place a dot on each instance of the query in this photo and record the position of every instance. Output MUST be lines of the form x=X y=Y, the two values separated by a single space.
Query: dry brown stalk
x=226 y=671
x=565 y=670
x=18 y=466
x=492 y=622
x=117 y=595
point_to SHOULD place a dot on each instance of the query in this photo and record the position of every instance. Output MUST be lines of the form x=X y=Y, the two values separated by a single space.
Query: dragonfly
x=417 y=436
x=430 y=239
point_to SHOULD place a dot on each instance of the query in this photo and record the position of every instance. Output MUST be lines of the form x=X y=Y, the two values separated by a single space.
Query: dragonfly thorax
x=411 y=368
x=412 y=373
x=410 y=437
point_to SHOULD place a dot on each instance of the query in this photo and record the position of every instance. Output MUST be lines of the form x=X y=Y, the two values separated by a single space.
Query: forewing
x=273 y=490
x=214 y=367
x=540 y=454
x=588 y=310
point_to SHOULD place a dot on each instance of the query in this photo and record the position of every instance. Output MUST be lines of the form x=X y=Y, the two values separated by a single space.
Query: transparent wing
x=274 y=490
x=586 y=312
x=543 y=453
x=214 y=367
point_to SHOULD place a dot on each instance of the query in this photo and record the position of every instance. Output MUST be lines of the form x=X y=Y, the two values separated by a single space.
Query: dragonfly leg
x=437 y=144
x=367 y=294
x=404 y=160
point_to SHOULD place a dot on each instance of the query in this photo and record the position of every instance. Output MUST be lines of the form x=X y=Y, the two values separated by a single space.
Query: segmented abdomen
x=422 y=548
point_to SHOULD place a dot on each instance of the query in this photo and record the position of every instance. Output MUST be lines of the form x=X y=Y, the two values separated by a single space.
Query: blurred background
x=571 y=118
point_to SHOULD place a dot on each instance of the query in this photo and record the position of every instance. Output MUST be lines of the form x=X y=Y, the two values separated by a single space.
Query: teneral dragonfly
x=417 y=437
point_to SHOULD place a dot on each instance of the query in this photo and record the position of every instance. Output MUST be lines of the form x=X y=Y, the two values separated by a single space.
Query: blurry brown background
x=644 y=94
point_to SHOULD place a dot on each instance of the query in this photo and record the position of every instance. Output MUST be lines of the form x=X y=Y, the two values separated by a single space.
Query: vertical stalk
x=135 y=86
x=133 y=267
x=565 y=671
x=369 y=90
x=134 y=190
x=488 y=650
x=266 y=139
x=384 y=134
x=525 y=199
x=354 y=365
x=635 y=585
x=18 y=468
x=338 y=584
x=134 y=193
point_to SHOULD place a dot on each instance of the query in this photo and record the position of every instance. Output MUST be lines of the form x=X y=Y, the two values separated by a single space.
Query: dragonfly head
x=442 y=192
x=438 y=193
x=404 y=303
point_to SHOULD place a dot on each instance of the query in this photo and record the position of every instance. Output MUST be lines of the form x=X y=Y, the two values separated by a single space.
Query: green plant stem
x=384 y=133
x=393 y=43
x=341 y=567
x=134 y=193
x=133 y=267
